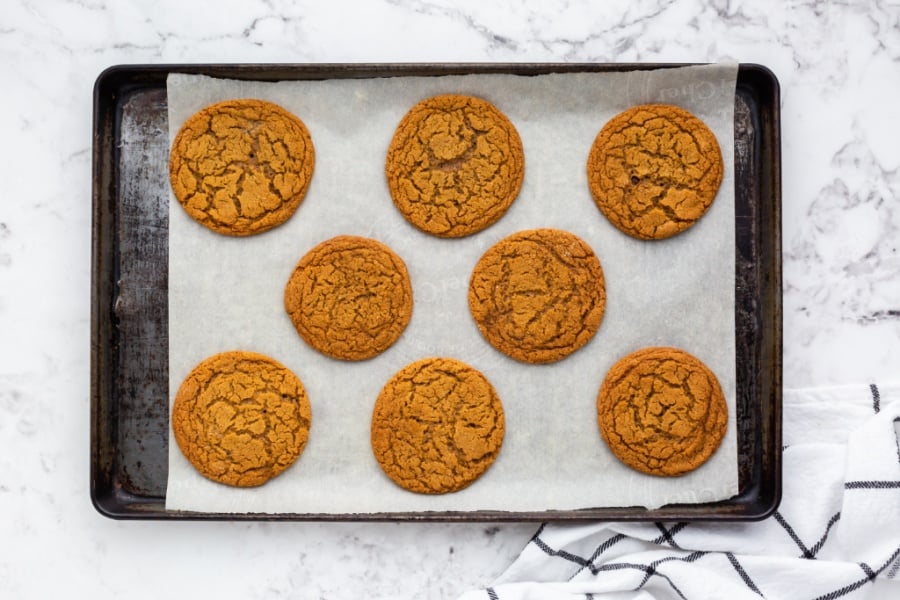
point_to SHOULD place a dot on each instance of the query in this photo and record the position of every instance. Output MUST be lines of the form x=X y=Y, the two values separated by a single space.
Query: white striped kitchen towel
x=835 y=532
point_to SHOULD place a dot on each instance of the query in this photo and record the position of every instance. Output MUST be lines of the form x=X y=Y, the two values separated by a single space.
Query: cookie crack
x=445 y=401
x=448 y=166
x=561 y=297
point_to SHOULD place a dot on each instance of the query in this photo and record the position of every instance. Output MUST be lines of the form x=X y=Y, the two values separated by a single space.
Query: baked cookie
x=349 y=297
x=654 y=170
x=538 y=295
x=241 y=167
x=241 y=418
x=437 y=426
x=661 y=411
x=455 y=165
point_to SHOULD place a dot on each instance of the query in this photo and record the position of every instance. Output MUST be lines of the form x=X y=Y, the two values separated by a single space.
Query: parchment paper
x=227 y=293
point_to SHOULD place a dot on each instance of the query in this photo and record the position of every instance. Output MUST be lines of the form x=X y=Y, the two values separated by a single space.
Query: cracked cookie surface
x=661 y=411
x=538 y=295
x=349 y=297
x=241 y=167
x=654 y=170
x=241 y=418
x=437 y=426
x=454 y=165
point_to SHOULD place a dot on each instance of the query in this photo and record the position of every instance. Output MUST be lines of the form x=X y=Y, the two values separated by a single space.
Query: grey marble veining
x=839 y=67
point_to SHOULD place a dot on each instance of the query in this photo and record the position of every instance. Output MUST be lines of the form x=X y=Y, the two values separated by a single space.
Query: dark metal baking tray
x=129 y=321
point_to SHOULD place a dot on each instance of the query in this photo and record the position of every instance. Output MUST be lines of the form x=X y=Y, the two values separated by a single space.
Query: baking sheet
x=226 y=293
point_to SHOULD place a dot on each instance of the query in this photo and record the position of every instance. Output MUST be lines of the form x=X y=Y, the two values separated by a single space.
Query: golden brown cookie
x=455 y=165
x=538 y=295
x=241 y=418
x=241 y=167
x=349 y=297
x=437 y=426
x=654 y=170
x=661 y=411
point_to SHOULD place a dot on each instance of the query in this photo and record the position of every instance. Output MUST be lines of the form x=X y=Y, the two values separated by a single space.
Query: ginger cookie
x=454 y=165
x=661 y=411
x=538 y=295
x=437 y=426
x=349 y=297
x=654 y=170
x=241 y=167
x=241 y=418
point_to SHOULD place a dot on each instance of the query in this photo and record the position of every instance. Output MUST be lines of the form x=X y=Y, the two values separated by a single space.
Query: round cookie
x=454 y=165
x=538 y=295
x=661 y=411
x=654 y=170
x=241 y=167
x=241 y=418
x=437 y=426
x=349 y=297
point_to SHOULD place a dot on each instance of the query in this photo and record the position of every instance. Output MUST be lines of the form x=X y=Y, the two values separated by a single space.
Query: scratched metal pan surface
x=129 y=320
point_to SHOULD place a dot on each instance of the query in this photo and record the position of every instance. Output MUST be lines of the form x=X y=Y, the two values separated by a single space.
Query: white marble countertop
x=839 y=68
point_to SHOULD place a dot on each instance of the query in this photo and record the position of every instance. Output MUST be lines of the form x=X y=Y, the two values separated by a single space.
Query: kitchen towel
x=836 y=530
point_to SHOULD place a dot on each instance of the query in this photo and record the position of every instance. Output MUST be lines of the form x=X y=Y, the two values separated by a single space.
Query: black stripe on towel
x=652 y=569
x=648 y=570
x=537 y=541
x=740 y=571
x=606 y=545
x=668 y=534
x=876 y=397
x=793 y=535
x=818 y=545
x=871 y=485
x=861 y=582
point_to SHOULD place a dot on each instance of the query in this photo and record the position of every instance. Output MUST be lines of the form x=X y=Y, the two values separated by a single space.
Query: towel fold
x=836 y=531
